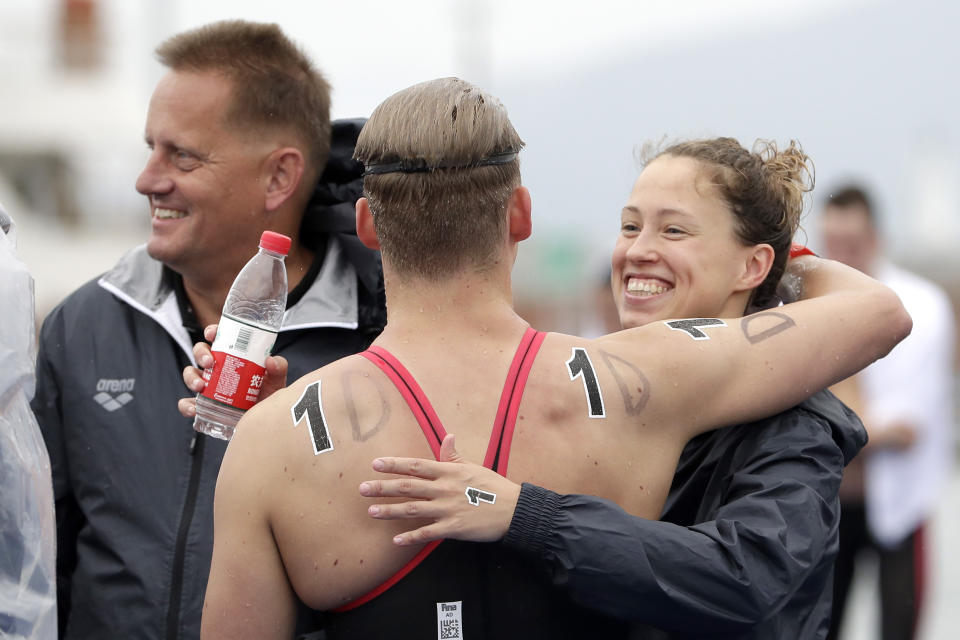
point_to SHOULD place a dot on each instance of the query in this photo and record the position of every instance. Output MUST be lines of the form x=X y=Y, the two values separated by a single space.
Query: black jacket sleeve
x=46 y=407
x=767 y=519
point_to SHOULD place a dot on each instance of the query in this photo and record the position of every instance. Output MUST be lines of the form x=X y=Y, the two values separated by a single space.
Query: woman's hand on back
x=464 y=501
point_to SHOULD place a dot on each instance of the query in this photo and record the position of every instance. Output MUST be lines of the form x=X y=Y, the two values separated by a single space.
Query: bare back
x=333 y=552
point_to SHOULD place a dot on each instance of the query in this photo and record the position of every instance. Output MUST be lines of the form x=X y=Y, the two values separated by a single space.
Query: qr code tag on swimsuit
x=449 y=621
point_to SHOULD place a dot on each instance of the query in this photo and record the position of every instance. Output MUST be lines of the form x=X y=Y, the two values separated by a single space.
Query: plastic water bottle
x=252 y=315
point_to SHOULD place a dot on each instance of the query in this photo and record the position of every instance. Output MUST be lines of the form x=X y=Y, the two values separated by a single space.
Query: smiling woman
x=707 y=229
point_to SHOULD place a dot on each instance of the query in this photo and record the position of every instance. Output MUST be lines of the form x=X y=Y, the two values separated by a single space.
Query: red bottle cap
x=276 y=242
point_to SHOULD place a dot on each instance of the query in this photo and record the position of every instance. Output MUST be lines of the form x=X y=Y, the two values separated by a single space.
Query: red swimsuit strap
x=412 y=393
x=498 y=451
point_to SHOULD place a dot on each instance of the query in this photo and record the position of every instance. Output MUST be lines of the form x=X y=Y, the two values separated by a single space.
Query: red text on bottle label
x=239 y=352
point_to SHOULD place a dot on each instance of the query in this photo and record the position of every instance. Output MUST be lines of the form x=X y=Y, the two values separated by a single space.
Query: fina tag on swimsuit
x=450 y=620
x=475 y=496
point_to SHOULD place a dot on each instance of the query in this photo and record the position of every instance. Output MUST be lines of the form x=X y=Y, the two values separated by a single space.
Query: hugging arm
x=773 y=531
x=845 y=321
x=780 y=357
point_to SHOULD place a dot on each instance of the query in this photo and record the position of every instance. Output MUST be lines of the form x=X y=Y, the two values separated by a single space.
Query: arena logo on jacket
x=113 y=393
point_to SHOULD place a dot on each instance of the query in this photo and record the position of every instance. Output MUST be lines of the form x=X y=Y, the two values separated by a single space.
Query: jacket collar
x=331 y=301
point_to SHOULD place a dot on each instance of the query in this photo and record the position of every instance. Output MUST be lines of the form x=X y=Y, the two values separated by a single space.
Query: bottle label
x=239 y=352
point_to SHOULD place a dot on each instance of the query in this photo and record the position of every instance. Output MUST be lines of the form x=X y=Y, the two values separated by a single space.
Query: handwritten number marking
x=580 y=366
x=309 y=405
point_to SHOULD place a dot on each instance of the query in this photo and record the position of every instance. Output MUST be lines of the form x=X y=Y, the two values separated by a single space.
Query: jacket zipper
x=180 y=550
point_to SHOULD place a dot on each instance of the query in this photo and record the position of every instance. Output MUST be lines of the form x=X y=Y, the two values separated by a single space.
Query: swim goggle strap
x=421 y=165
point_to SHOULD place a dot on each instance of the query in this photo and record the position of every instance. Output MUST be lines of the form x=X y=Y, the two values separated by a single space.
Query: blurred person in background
x=239 y=138
x=747 y=538
x=893 y=487
x=28 y=589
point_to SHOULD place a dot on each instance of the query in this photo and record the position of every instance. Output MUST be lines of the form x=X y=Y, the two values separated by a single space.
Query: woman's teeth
x=644 y=288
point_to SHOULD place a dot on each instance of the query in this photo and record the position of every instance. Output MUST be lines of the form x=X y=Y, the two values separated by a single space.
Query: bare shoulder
x=320 y=413
x=595 y=407
x=302 y=454
x=606 y=377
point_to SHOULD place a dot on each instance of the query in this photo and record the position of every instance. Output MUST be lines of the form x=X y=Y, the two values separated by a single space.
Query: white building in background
x=71 y=132
x=75 y=98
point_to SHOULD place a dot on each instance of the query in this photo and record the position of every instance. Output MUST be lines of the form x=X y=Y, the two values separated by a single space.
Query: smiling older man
x=239 y=132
